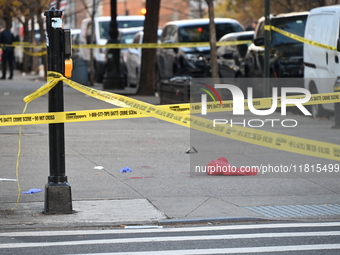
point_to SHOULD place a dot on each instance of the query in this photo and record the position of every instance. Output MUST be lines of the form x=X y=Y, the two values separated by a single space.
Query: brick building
x=170 y=10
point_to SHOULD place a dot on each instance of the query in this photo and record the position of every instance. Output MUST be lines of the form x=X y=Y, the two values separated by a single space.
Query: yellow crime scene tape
x=248 y=135
x=122 y=46
x=298 y=38
x=72 y=116
x=127 y=113
x=27 y=45
x=22 y=46
x=137 y=45
x=178 y=45
x=159 y=45
x=36 y=54
x=179 y=114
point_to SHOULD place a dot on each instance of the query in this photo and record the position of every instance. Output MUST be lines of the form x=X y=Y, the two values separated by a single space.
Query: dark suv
x=286 y=54
x=191 y=61
x=230 y=58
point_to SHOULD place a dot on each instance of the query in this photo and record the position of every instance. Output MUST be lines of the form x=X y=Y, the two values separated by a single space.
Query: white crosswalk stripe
x=223 y=239
x=183 y=229
x=171 y=239
x=232 y=250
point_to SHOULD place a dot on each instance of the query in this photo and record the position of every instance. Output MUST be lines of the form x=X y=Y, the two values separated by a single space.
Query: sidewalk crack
x=197 y=207
x=115 y=177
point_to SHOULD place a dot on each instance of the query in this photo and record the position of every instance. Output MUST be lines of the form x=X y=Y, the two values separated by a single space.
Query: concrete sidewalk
x=161 y=188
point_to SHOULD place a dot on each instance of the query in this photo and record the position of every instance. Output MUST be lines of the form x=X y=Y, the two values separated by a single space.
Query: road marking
x=9 y=180
x=231 y=250
x=169 y=239
x=168 y=230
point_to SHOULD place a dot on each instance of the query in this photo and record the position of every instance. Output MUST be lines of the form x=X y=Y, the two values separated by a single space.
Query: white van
x=322 y=65
x=101 y=35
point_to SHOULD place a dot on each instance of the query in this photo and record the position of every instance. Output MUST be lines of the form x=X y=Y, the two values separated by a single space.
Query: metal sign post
x=266 y=49
x=57 y=190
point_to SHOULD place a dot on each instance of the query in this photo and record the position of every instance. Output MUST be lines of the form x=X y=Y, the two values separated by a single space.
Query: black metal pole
x=57 y=190
x=114 y=75
x=336 y=106
x=266 y=49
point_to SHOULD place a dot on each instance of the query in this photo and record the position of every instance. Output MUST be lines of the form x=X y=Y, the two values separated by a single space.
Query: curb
x=205 y=220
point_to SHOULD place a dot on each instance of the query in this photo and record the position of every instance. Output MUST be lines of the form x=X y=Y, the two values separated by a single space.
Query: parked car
x=101 y=35
x=230 y=58
x=75 y=34
x=132 y=60
x=191 y=61
x=286 y=54
x=322 y=65
x=126 y=36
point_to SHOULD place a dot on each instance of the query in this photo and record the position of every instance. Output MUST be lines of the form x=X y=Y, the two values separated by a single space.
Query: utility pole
x=113 y=78
x=266 y=49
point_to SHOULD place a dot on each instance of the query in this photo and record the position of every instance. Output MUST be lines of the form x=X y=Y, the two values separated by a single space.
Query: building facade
x=75 y=10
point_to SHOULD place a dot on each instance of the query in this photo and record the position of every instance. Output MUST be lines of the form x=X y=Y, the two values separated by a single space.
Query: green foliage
x=16 y=8
x=247 y=10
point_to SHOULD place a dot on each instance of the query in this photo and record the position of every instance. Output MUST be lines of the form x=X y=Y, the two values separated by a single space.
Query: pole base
x=58 y=198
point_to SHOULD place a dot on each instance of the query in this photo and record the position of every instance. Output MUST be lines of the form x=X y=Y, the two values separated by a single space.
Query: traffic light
x=142 y=11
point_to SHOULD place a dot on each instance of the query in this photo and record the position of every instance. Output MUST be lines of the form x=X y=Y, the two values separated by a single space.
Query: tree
x=91 y=11
x=26 y=12
x=197 y=8
x=293 y=6
x=148 y=64
x=212 y=40
x=247 y=10
x=7 y=12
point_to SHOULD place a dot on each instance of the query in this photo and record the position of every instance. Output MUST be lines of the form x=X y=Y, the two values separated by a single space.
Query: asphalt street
x=162 y=186
x=295 y=238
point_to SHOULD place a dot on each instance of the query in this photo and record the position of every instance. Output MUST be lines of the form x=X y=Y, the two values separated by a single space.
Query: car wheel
x=316 y=110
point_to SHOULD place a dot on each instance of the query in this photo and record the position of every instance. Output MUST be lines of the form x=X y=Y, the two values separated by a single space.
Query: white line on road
x=231 y=250
x=9 y=180
x=168 y=239
x=168 y=230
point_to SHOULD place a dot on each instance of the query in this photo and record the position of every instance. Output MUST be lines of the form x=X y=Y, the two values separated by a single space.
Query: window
x=167 y=33
x=295 y=25
x=200 y=33
x=136 y=39
x=104 y=26
x=130 y=23
x=226 y=28
x=127 y=37
x=260 y=30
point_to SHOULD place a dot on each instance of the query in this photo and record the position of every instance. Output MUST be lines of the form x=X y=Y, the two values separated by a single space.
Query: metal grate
x=296 y=210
